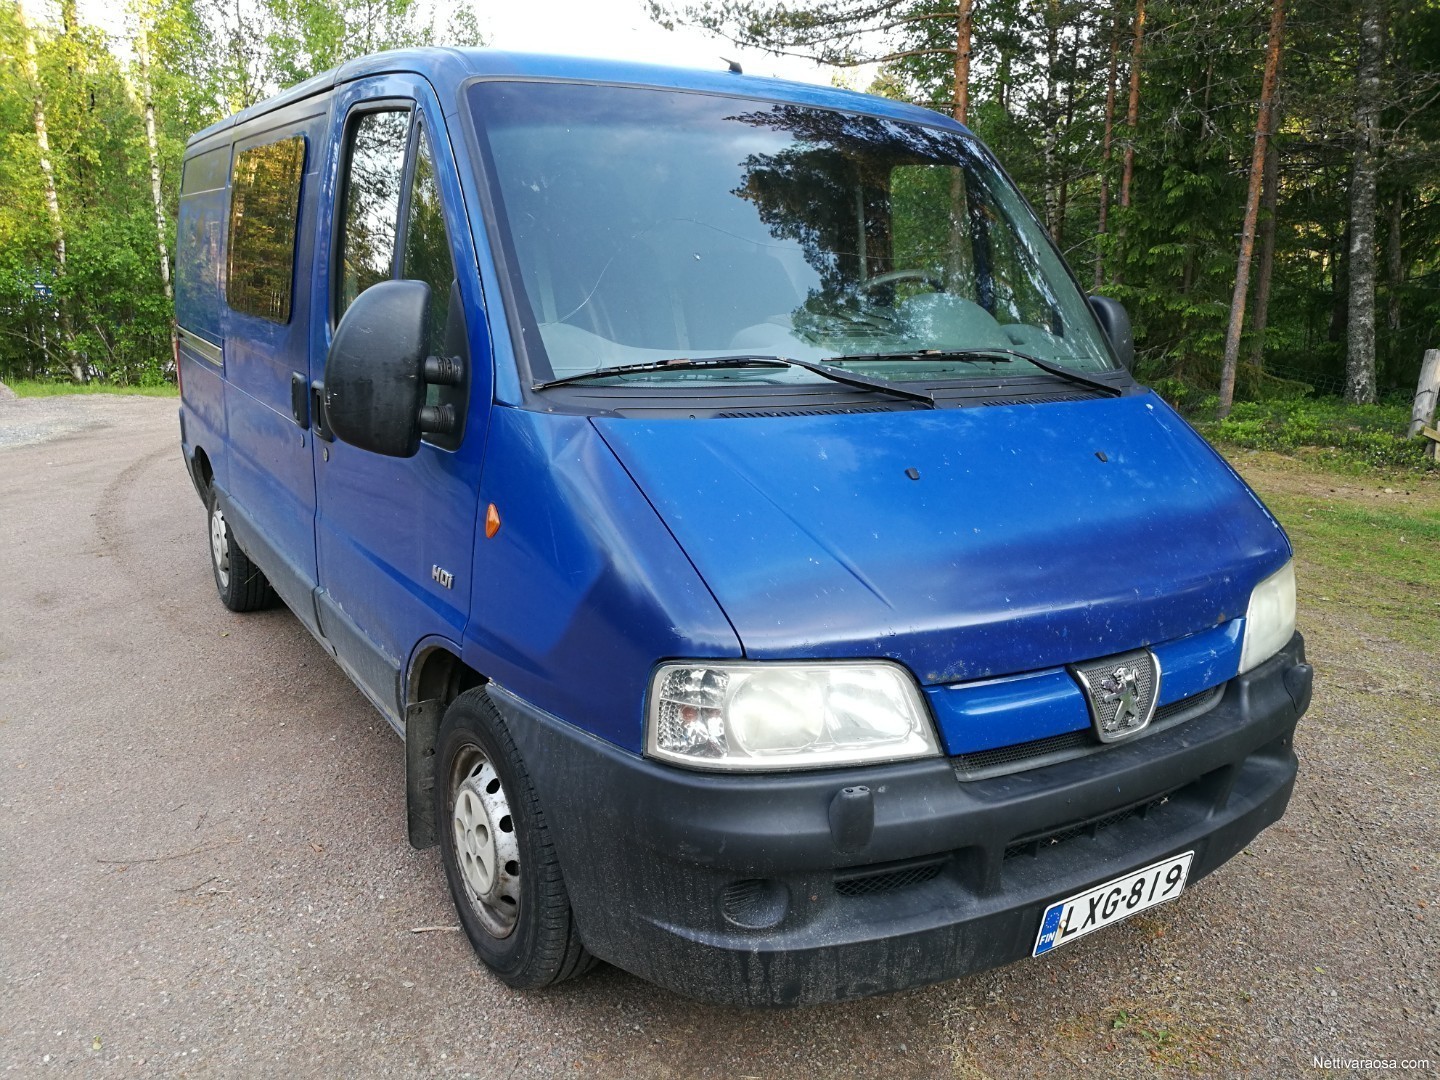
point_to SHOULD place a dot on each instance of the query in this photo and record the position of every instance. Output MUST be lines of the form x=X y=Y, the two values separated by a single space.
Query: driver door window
x=393 y=225
x=375 y=175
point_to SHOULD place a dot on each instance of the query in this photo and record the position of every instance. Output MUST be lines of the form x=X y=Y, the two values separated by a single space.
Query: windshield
x=644 y=225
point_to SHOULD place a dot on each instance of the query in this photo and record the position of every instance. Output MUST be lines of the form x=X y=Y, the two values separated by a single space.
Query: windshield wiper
x=994 y=356
x=683 y=363
x=686 y=363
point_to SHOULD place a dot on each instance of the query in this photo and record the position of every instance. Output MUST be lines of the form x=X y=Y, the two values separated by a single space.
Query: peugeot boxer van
x=782 y=587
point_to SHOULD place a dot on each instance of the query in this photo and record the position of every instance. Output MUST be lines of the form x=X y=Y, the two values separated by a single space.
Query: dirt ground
x=203 y=865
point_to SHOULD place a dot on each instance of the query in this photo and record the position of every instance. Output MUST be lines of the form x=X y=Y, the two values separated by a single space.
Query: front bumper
x=740 y=890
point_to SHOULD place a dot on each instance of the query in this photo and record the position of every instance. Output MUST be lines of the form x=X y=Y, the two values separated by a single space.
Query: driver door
x=395 y=536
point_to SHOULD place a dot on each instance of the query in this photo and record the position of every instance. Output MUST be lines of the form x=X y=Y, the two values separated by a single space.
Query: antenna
x=733 y=66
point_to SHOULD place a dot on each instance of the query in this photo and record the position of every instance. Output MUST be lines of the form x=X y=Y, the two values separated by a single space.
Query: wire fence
x=1323 y=384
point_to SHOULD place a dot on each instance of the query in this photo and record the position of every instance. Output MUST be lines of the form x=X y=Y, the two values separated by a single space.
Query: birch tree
x=73 y=361
x=1365 y=168
x=152 y=153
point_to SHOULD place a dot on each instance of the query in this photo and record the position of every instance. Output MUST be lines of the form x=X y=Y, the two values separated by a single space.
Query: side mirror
x=1115 y=322
x=377 y=369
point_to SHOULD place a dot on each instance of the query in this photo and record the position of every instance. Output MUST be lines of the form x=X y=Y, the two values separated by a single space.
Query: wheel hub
x=486 y=848
x=220 y=547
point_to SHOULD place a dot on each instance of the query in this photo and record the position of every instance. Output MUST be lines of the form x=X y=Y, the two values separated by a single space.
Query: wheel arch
x=435 y=676
x=202 y=473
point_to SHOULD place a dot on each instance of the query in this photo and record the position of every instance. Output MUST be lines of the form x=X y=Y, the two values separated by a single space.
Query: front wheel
x=499 y=860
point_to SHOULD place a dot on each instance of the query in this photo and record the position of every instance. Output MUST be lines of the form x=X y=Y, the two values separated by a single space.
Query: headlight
x=1270 y=618
x=721 y=715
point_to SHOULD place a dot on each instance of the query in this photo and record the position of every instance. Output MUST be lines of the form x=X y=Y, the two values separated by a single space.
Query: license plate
x=1067 y=920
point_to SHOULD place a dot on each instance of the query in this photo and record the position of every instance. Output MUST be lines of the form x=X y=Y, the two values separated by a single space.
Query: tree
x=1132 y=111
x=152 y=152
x=843 y=33
x=1252 y=206
x=90 y=153
x=1103 y=217
x=1269 y=206
x=305 y=37
x=1360 y=351
x=52 y=199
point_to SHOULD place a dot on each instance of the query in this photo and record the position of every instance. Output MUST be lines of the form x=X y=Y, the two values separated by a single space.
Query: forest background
x=1257 y=180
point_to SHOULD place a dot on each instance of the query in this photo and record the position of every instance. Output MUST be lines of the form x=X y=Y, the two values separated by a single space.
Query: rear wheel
x=499 y=860
x=241 y=584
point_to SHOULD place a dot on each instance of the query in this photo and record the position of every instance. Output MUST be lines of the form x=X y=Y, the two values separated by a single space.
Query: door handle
x=299 y=400
x=317 y=412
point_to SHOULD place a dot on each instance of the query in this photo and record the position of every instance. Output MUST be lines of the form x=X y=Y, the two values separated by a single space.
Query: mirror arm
x=443 y=371
x=438 y=419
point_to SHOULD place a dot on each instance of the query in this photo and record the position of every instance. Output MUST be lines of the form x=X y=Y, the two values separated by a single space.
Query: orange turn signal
x=492 y=521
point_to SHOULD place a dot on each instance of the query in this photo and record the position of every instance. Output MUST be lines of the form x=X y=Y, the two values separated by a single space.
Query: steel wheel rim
x=220 y=547
x=486 y=848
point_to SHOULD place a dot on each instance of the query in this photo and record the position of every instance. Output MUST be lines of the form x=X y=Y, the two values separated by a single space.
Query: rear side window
x=372 y=203
x=205 y=172
x=264 y=206
x=199 y=228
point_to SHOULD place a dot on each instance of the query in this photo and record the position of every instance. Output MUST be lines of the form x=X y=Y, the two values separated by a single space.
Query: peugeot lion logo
x=1122 y=689
x=1121 y=692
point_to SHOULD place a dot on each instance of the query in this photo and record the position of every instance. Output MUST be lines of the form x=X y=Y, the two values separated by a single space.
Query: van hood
x=963 y=543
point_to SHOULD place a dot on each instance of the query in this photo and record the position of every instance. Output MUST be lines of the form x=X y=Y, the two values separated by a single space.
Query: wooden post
x=1427 y=393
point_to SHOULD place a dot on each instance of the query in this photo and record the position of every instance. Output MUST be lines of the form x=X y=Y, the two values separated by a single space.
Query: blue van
x=782 y=587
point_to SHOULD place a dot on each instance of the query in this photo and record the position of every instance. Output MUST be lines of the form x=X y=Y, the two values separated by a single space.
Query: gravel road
x=203 y=865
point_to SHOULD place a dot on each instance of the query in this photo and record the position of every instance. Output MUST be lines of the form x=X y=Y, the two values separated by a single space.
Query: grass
x=1367 y=557
x=1354 y=439
x=32 y=388
x=1384 y=560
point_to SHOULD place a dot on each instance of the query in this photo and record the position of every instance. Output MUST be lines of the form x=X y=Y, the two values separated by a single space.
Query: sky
x=622 y=29
x=618 y=29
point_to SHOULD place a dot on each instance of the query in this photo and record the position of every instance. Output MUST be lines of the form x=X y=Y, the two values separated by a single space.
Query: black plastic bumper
x=736 y=890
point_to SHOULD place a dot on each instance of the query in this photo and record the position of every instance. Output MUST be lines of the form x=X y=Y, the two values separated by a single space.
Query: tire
x=241 y=584
x=499 y=860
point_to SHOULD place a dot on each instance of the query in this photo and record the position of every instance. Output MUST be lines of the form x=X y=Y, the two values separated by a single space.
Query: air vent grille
x=1035 y=844
x=1037 y=399
x=811 y=411
x=887 y=880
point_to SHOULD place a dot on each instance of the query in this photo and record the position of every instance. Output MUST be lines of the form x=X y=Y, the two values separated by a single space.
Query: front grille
x=1193 y=705
x=864 y=881
x=1033 y=845
x=1003 y=760
x=1022 y=753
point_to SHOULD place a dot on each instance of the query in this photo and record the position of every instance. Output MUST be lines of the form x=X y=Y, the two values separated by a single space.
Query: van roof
x=449 y=67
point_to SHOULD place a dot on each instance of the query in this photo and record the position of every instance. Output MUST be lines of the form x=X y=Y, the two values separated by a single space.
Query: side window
x=204 y=203
x=264 y=206
x=376 y=197
x=428 y=258
x=369 y=224
x=427 y=247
